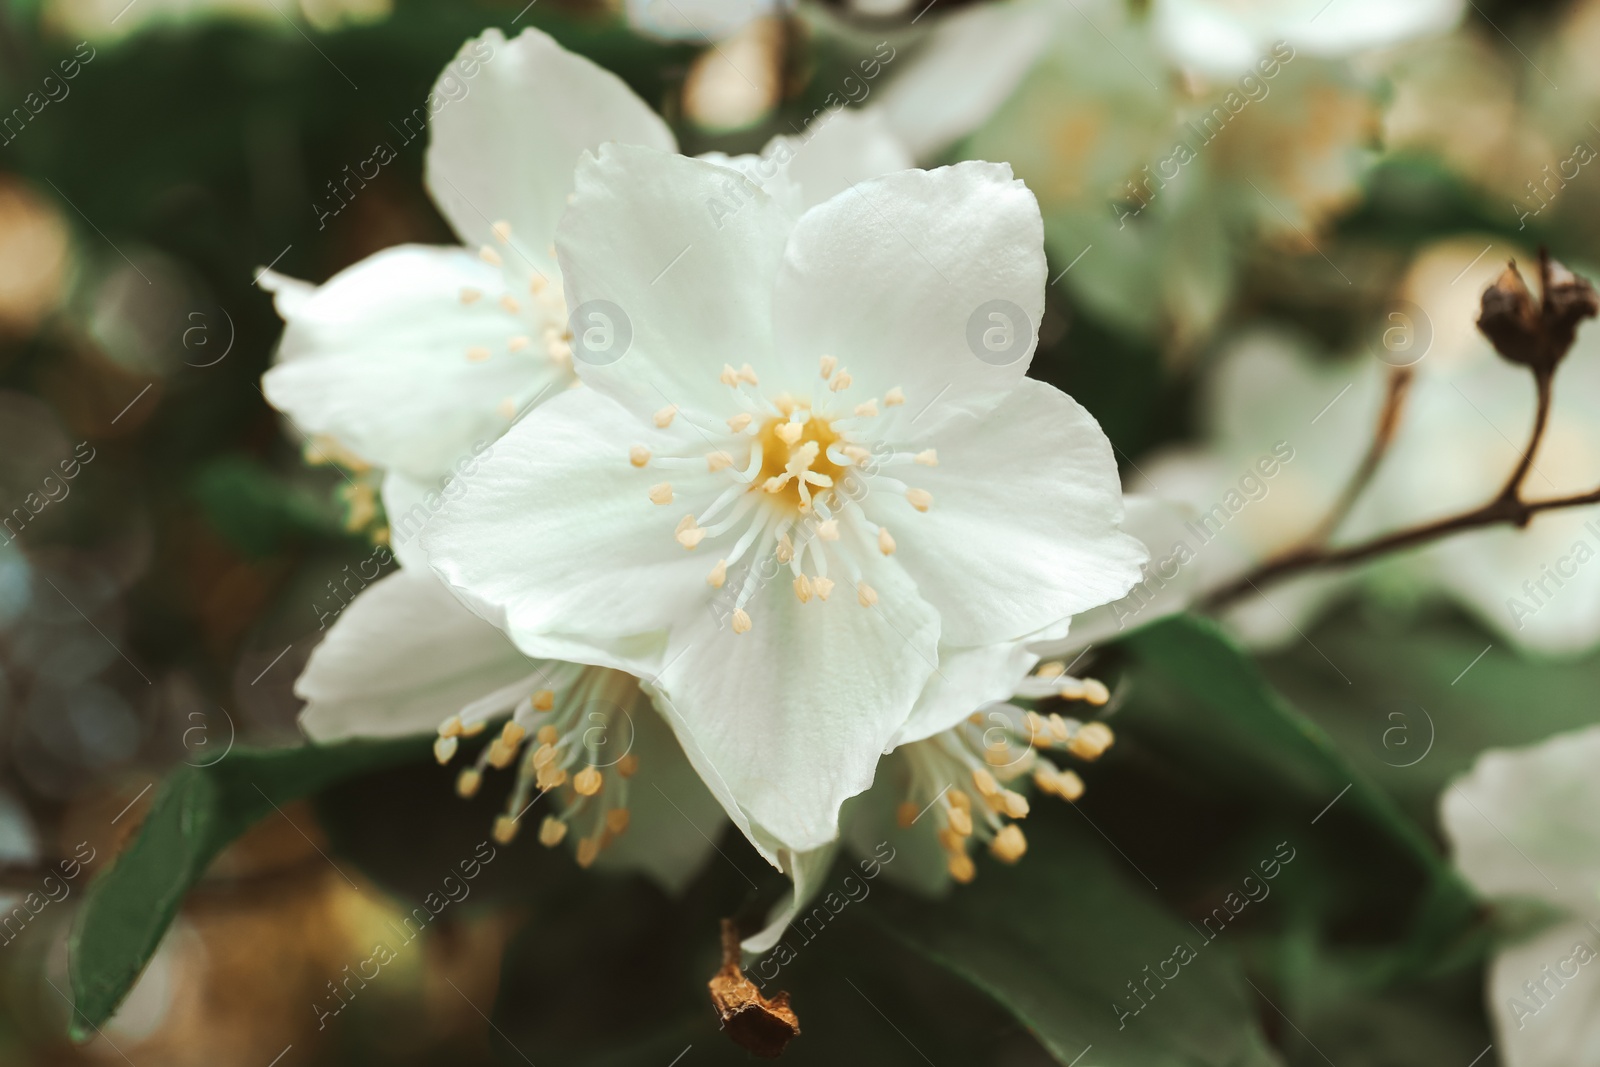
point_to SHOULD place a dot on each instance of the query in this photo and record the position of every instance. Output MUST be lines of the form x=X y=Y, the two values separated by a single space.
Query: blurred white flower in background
x=1283 y=431
x=1226 y=37
x=1525 y=823
x=1158 y=173
x=795 y=493
x=703 y=21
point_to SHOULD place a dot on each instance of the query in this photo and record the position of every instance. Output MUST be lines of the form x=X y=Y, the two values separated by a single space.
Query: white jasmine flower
x=1225 y=38
x=1525 y=823
x=416 y=353
x=799 y=503
x=406 y=658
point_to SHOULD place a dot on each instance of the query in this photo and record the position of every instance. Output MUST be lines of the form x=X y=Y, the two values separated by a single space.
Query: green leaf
x=1057 y=939
x=196 y=814
x=1230 y=727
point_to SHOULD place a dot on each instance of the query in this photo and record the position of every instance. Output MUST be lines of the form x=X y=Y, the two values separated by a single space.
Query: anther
x=927 y=457
x=741 y=621
x=664 y=417
x=587 y=782
x=894 y=397
x=638 y=455
x=1009 y=845
x=661 y=493
x=551 y=831
x=920 y=499
x=829 y=365
x=885 y=541
x=1090 y=741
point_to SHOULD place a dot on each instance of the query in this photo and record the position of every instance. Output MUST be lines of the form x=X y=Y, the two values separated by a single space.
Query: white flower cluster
x=769 y=493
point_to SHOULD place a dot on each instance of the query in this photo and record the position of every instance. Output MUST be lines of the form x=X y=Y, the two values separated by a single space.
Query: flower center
x=792 y=479
x=794 y=458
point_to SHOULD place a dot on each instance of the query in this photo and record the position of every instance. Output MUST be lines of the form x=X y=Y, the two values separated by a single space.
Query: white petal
x=838 y=150
x=556 y=532
x=1527 y=821
x=916 y=859
x=402 y=658
x=674 y=820
x=410 y=506
x=1023 y=530
x=1168 y=584
x=967 y=679
x=793 y=715
x=900 y=278
x=687 y=251
x=807 y=869
x=377 y=359
x=975 y=60
x=1561 y=1026
x=506 y=139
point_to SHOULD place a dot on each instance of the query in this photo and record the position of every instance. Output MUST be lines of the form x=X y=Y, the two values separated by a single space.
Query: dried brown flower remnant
x=756 y=1024
x=1536 y=334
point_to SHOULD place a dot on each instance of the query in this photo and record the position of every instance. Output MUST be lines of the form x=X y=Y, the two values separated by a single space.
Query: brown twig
x=756 y=1024
x=1394 y=400
x=1537 y=336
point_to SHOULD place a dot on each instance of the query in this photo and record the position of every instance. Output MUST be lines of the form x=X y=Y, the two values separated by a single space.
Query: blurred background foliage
x=162 y=608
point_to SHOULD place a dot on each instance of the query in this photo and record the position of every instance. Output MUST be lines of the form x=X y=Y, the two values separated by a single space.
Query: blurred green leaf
x=1222 y=720
x=195 y=815
x=256 y=510
x=1057 y=940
